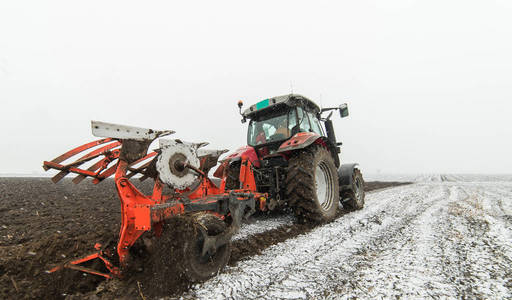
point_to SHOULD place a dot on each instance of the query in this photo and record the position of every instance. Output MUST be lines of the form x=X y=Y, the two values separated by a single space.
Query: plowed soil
x=44 y=224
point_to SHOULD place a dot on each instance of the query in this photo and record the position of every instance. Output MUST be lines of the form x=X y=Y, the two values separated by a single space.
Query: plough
x=123 y=153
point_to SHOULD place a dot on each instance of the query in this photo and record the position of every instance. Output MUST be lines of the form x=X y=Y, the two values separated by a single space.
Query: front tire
x=353 y=198
x=312 y=184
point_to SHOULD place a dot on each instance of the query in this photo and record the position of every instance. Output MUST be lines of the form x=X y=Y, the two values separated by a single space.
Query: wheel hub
x=323 y=185
x=170 y=163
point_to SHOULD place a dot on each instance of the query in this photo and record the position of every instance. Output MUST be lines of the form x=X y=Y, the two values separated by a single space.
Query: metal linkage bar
x=99 y=170
x=110 y=151
x=77 y=150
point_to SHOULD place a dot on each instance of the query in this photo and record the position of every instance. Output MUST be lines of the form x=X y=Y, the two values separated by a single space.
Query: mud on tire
x=353 y=199
x=312 y=184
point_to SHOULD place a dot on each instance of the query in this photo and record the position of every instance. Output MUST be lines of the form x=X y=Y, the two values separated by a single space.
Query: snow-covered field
x=438 y=177
x=446 y=236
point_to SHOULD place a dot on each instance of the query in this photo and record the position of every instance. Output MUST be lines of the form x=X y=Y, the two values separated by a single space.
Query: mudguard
x=345 y=172
x=299 y=141
x=303 y=139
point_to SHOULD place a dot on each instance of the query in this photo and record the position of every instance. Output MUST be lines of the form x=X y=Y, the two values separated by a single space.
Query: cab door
x=315 y=124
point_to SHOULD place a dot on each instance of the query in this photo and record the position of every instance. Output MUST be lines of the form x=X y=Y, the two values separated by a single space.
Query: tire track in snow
x=423 y=240
x=408 y=262
x=259 y=224
x=484 y=254
x=449 y=253
x=298 y=267
x=503 y=203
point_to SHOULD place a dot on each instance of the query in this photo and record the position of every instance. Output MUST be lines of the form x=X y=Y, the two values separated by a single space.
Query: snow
x=446 y=238
x=261 y=224
x=439 y=177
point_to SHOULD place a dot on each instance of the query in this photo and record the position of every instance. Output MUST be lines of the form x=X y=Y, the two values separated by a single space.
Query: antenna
x=291 y=87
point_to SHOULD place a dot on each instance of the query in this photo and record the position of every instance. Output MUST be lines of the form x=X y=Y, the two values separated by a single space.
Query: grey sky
x=429 y=83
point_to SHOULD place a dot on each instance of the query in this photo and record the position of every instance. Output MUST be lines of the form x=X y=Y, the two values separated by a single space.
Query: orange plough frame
x=142 y=213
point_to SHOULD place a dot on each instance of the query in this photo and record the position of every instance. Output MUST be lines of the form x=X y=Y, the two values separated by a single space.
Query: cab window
x=292 y=122
x=273 y=128
x=302 y=119
x=315 y=124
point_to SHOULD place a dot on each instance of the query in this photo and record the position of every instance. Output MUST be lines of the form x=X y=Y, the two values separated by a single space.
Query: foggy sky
x=428 y=83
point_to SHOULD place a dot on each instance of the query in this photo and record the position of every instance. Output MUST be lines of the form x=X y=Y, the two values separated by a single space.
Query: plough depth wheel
x=195 y=265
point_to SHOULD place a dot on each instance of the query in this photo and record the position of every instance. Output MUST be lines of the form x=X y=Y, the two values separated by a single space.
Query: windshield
x=274 y=128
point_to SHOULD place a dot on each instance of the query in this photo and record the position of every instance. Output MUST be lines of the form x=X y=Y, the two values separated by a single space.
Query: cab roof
x=270 y=104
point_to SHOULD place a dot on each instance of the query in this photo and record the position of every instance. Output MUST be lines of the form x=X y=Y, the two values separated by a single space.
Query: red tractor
x=289 y=162
x=295 y=158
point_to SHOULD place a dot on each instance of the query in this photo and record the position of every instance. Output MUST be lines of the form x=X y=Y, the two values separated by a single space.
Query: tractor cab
x=280 y=124
x=275 y=120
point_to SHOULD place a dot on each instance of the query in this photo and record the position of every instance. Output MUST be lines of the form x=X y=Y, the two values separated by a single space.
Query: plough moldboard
x=183 y=167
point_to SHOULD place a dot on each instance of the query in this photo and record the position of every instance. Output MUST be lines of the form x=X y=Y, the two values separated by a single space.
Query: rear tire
x=195 y=266
x=353 y=199
x=312 y=184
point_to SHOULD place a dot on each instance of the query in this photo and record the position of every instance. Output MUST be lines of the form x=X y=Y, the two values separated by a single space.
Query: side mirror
x=240 y=104
x=343 y=110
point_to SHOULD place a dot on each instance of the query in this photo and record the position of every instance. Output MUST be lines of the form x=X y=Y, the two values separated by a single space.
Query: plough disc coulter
x=123 y=153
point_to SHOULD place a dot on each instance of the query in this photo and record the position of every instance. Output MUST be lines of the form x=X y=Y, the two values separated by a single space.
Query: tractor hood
x=291 y=100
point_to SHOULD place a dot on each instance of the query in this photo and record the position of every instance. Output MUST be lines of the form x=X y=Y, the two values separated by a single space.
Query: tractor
x=290 y=162
x=295 y=159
